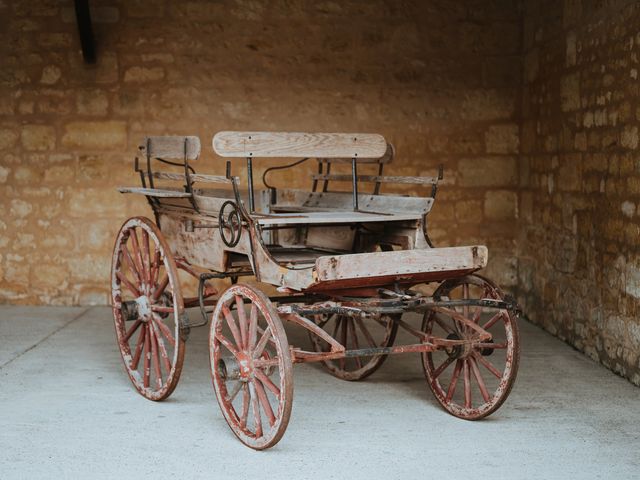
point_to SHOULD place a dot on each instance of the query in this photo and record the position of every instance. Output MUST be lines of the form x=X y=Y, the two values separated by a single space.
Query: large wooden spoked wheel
x=147 y=308
x=354 y=334
x=251 y=366
x=471 y=381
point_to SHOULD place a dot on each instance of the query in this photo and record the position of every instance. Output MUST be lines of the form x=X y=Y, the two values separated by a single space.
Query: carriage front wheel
x=251 y=366
x=147 y=308
x=471 y=380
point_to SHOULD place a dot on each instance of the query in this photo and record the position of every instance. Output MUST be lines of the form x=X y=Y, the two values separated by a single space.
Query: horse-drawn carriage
x=346 y=266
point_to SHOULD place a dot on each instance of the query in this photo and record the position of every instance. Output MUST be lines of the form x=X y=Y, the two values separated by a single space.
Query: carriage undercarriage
x=352 y=302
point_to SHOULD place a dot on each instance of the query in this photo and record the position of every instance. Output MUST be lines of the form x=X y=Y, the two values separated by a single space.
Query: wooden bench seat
x=332 y=217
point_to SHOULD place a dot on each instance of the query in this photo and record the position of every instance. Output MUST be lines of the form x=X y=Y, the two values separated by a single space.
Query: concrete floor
x=67 y=410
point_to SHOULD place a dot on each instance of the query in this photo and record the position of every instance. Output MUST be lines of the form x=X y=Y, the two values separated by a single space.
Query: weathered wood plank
x=154 y=192
x=171 y=147
x=195 y=177
x=333 y=217
x=298 y=144
x=378 y=179
x=344 y=201
x=386 y=158
x=406 y=263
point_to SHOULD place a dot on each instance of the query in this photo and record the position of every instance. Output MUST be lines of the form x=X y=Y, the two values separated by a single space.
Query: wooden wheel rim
x=347 y=327
x=474 y=364
x=255 y=388
x=158 y=344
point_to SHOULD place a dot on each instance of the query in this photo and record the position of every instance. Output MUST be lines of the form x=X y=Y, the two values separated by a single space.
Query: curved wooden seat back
x=299 y=144
x=171 y=147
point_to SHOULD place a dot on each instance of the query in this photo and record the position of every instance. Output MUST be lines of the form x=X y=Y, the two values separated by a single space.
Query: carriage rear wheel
x=251 y=366
x=471 y=381
x=147 y=308
x=354 y=334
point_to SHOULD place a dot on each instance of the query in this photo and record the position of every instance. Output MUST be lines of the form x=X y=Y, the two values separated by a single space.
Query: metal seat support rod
x=354 y=181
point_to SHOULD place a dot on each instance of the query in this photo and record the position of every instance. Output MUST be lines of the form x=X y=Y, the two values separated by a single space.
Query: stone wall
x=439 y=79
x=579 y=261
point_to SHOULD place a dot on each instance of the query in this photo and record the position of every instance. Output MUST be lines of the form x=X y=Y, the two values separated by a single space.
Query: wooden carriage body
x=316 y=240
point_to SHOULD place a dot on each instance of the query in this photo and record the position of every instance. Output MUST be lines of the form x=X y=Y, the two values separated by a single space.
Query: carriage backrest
x=171 y=147
x=299 y=144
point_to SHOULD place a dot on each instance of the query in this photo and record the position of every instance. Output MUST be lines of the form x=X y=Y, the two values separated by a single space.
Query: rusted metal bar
x=358 y=308
x=354 y=182
x=303 y=356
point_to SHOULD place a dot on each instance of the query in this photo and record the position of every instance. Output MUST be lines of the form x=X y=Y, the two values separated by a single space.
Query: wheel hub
x=453 y=351
x=485 y=352
x=236 y=368
x=245 y=365
x=143 y=306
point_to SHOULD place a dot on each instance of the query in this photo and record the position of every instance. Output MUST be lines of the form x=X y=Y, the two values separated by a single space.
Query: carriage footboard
x=403 y=267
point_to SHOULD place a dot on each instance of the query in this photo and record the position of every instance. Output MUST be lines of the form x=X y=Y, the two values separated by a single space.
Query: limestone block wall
x=439 y=79
x=579 y=260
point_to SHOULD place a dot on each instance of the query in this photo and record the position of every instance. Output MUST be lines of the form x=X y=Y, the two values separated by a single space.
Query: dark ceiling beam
x=83 y=16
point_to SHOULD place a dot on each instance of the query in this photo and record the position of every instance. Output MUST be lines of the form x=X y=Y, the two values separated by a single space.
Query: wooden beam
x=83 y=17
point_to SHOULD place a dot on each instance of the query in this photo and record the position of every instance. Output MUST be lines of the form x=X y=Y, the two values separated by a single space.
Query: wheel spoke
x=253 y=327
x=442 y=324
x=132 y=330
x=125 y=281
x=161 y=309
x=232 y=326
x=146 y=255
x=488 y=365
x=492 y=321
x=465 y=296
x=454 y=380
x=264 y=401
x=155 y=267
x=343 y=337
x=155 y=357
x=266 y=381
x=491 y=346
x=242 y=320
x=246 y=399
x=354 y=339
x=229 y=346
x=165 y=331
x=478 y=376
x=129 y=261
x=147 y=357
x=162 y=348
x=236 y=389
x=366 y=332
x=160 y=288
x=256 y=411
x=467 y=384
x=477 y=314
x=336 y=327
x=139 y=348
x=136 y=251
x=262 y=343
x=443 y=366
x=381 y=322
